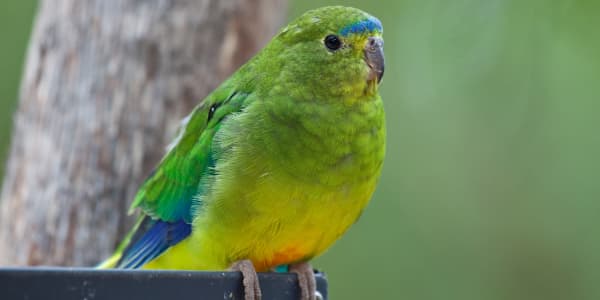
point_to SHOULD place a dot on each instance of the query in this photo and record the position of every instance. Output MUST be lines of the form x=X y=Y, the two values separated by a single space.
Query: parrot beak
x=374 y=58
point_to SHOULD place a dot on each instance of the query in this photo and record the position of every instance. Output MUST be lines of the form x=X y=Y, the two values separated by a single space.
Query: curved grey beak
x=374 y=58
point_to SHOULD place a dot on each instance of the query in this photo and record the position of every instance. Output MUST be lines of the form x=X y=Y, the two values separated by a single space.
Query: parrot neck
x=326 y=142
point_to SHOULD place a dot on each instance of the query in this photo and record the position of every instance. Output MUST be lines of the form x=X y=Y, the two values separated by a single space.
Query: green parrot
x=276 y=163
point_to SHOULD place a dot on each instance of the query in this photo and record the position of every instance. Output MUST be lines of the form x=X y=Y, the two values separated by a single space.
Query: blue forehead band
x=368 y=25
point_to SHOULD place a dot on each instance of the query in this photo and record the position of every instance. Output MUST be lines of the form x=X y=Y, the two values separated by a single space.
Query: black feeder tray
x=44 y=283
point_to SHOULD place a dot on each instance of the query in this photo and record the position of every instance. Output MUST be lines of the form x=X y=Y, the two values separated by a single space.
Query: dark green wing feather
x=169 y=191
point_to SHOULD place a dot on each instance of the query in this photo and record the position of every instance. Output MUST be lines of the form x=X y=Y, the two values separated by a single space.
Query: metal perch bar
x=92 y=284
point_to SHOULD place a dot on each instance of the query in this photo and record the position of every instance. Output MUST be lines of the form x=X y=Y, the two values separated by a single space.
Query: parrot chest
x=283 y=221
x=285 y=192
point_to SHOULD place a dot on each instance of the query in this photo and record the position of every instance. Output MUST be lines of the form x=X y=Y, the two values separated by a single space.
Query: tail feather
x=113 y=260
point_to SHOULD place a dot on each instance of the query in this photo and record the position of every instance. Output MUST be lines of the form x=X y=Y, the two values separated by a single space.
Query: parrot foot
x=249 y=279
x=306 y=280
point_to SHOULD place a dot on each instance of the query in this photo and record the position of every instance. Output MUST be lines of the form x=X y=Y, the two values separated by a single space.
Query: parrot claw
x=306 y=280
x=249 y=279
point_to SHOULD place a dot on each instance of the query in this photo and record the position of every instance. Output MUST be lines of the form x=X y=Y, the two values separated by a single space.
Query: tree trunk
x=105 y=84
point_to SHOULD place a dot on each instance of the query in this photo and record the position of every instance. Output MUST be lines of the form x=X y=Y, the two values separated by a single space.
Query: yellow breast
x=279 y=223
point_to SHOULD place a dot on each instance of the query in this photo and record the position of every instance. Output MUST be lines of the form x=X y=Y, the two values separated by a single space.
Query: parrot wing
x=167 y=195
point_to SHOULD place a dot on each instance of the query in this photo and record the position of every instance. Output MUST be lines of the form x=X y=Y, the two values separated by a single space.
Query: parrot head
x=334 y=49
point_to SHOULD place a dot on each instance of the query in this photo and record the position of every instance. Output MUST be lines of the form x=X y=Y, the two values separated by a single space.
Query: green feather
x=169 y=192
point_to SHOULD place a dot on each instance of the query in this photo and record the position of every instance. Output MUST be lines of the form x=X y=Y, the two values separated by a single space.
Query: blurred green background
x=15 y=26
x=490 y=188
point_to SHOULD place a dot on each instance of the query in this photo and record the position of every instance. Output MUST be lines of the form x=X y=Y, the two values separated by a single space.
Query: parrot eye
x=332 y=42
x=211 y=111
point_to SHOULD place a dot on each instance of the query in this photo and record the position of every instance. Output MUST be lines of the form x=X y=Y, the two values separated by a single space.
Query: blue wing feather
x=155 y=236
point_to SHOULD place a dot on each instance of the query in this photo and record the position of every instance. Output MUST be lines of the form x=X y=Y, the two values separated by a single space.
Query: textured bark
x=105 y=84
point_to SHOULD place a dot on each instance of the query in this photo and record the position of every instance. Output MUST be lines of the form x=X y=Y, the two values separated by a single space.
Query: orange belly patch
x=288 y=255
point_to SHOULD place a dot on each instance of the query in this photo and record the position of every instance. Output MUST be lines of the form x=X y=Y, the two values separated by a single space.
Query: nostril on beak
x=374 y=43
x=371 y=42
